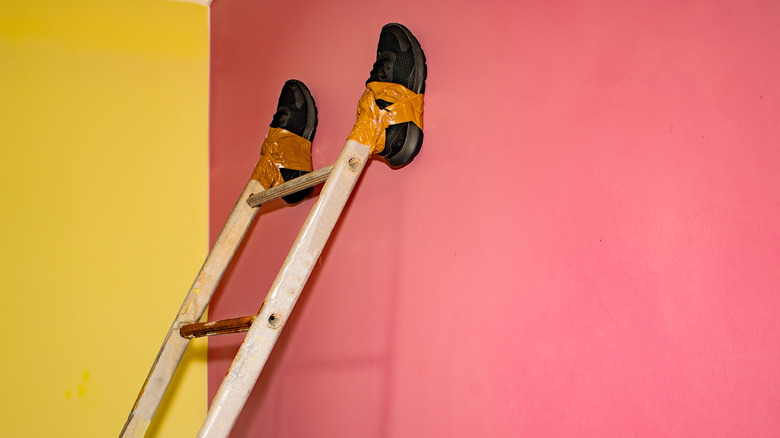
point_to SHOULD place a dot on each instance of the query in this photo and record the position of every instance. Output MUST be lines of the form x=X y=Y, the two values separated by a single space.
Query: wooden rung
x=311 y=179
x=213 y=328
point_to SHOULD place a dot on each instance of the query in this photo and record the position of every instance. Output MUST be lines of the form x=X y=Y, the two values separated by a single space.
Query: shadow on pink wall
x=587 y=244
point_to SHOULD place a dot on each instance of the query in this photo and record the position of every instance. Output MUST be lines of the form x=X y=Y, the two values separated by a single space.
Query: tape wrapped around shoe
x=369 y=129
x=281 y=149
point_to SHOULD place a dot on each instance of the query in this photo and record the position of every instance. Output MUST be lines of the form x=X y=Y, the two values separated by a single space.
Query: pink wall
x=587 y=244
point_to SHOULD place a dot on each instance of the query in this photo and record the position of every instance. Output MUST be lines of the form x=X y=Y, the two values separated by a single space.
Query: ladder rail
x=284 y=293
x=201 y=292
x=192 y=309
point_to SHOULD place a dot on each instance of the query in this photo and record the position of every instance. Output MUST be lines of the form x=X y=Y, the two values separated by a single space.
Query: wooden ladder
x=264 y=328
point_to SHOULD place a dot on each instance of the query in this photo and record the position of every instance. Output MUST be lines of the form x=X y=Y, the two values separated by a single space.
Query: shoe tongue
x=291 y=97
x=291 y=111
x=398 y=54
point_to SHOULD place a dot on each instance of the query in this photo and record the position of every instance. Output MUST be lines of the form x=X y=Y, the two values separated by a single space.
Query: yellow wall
x=103 y=212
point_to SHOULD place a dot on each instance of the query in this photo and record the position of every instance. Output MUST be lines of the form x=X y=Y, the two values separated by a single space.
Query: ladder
x=264 y=328
x=401 y=108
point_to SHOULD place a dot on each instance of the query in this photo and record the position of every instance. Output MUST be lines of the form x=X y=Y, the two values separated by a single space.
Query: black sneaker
x=400 y=60
x=297 y=113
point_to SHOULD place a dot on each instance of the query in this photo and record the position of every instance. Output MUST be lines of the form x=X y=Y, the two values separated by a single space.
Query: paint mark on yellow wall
x=81 y=387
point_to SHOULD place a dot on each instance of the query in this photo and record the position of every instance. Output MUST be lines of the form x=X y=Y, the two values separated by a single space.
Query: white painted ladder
x=264 y=329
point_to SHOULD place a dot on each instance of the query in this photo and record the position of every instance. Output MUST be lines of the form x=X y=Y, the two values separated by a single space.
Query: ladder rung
x=212 y=328
x=311 y=179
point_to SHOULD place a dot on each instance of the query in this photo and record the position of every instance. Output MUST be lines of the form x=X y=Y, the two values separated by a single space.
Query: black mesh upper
x=394 y=60
x=291 y=111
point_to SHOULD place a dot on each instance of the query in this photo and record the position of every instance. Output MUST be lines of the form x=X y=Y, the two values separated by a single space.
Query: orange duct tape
x=281 y=149
x=372 y=121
